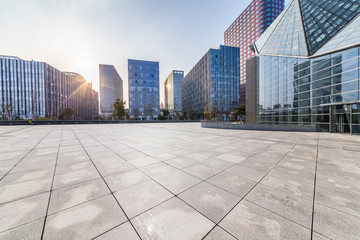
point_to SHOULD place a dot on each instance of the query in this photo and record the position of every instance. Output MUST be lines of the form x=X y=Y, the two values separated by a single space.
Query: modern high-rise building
x=144 y=96
x=111 y=88
x=307 y=67
x=213 y=84
x=173 y=91
x=31 y=89
x=247 y=28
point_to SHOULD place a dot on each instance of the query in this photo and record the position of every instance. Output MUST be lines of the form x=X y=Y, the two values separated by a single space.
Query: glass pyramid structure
x=306 y=26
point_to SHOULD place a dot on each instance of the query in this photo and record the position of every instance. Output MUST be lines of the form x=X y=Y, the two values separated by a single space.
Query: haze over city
x=79 y=35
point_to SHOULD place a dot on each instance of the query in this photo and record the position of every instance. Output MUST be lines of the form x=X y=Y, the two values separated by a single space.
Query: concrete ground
x=177 y=181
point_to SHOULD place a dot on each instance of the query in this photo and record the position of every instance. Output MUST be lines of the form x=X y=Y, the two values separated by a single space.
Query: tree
x=210 y=115
x=119 y=109
x=240 y=111
x=191 y=115
x=68 y=113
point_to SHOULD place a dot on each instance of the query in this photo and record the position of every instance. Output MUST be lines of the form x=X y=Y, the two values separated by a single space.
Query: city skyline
x=91 y=33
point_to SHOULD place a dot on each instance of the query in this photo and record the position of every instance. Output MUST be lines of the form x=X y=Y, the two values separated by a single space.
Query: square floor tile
x=211 y=201
x=143 y=161
x=289 y=206
x=201 y=171
x=67 y=197
x=124 y=232
x=172 y=220
x=248 y=221
x=126 y=179
x=248 y=173
x=336 y=224
x=23 y=211
x=232 y=183
x=141 y=197
x=85 y=221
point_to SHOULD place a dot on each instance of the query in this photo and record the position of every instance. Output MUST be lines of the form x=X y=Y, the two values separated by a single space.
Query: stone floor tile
x=143 y=161
x=23 y=211
x=231 y=158
x=348 y=203
x=201 y=171
x=181 y=162
x=217 y=163
x=172 y=179
x=219 y=234
x=211 y=201
x=29 y=231
x=260 y=163
x=294 y=174
x=85 y=221
x=248 y=221
x=25 y=184
x=317 y=236
x=112 y=165
x=232 y=183
x=67 y=197
x=141 y=197
x=288 y=185
x=289 y=206
x=172 y=220
x=124 y=232
x=126 y=179
x=335 y=224
x=248 y=173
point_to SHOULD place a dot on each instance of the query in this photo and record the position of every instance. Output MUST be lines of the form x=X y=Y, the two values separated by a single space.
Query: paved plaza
x=177 y=181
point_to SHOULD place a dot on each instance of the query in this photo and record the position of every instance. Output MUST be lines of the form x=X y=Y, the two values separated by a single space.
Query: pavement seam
x=37 y=144
x=205 y=180
x=314 y=194
x=52 y=184
x=105 y=183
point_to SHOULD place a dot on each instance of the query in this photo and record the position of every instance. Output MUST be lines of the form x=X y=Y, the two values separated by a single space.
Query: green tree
x=191 y=115
x=68 y=113
x=119 y=109
x=240 y=111
x=210 y=115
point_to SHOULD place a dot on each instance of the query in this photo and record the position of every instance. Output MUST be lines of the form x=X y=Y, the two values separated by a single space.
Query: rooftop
x=177 y=181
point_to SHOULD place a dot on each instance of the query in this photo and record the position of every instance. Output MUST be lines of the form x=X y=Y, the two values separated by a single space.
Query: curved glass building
x=306 y=69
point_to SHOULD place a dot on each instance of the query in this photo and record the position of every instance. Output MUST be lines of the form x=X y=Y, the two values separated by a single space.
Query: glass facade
x=111 y=87
x=173 y=91
x=308 y=91
x=30 y=89
x=144 y=95
x=323 y=19
x=214 y=83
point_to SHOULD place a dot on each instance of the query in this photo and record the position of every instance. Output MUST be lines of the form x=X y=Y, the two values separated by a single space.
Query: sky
x=78 y=35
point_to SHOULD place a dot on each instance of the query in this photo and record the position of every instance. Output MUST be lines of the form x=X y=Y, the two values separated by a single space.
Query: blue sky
x=77 y=35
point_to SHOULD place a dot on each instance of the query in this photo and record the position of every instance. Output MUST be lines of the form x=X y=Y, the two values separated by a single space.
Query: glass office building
x=213 y=85
x=308 y=64
x=31 y=89
x=247 y=28
x=144 y=96
x=111 y=88
x=173 y=91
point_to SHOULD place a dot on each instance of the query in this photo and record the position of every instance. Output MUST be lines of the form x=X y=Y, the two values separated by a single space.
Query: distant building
x=84 y=100
x=247 y=28
x=144 y=97
x=306 y=69
x=31 y=89
x=213 y=84
x=111 y=88
x=173 y=92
